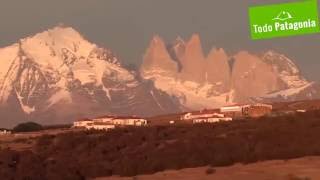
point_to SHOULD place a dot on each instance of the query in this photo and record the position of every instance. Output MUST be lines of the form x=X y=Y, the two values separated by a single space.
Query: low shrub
x=27 y=127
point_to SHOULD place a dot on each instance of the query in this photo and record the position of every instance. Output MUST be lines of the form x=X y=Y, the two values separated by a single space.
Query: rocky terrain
x=200 y=81
x=57 y=76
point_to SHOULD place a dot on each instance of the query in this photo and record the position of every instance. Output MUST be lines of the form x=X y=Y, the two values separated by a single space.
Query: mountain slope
x=197 y=81
x=219 y=79
x=57 y=76
x=293 y=85
x=251 y=77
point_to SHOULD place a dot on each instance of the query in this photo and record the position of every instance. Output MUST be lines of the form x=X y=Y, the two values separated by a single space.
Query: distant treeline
x=33 y=127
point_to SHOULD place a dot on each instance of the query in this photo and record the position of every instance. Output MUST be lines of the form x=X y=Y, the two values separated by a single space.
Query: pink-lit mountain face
x=208 y=81
x=57 y=76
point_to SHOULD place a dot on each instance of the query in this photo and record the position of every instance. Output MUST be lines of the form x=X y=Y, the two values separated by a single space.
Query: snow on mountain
x=286 y=93
x=57 y=76
x=191 y=95
x=294 y=85
x=8 y=56
x=210 y=81
x=286 y=69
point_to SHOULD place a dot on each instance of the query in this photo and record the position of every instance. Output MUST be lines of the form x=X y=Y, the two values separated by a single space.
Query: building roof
x=102 y=123
x=249 y=104
x=118 y=117
x=204 y=111
x=262 y=104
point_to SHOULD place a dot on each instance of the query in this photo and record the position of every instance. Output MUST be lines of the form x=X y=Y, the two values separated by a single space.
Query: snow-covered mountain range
x=207 y=81
x=57 y=76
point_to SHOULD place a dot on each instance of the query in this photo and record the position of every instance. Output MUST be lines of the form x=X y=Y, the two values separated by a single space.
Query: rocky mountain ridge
x=57 y=76
x=208 y=81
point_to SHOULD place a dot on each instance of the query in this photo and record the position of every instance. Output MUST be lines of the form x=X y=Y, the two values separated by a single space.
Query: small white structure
x=231 y=109
x=205 y=117
x=122 y=121
x=263 y=105
x=82 y=123
x=239 y=108
x=100 y=126
x=301 y=110
x=5 y=132
x=91 y=124
x=109 y=122
x=211 y=120
x=252 y=110
x=199 y=115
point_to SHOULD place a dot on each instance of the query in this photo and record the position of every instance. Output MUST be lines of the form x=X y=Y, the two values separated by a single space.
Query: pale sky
x=127 y=26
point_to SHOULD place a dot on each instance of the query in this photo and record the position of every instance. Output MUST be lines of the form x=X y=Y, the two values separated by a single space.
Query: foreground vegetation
x=132 y=151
